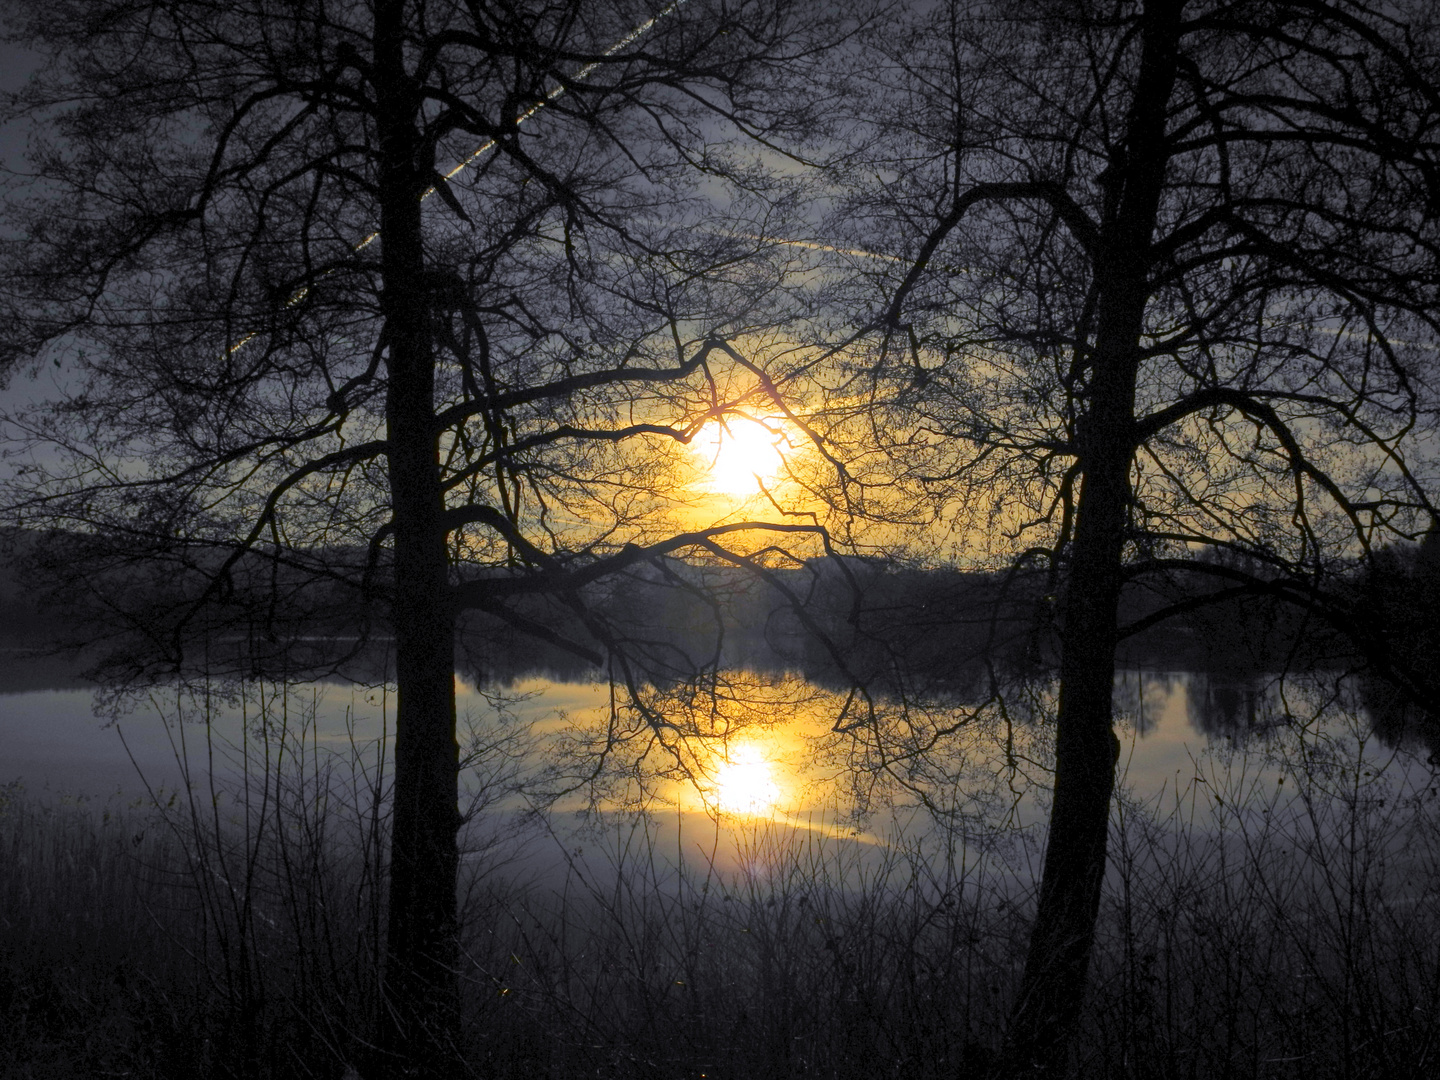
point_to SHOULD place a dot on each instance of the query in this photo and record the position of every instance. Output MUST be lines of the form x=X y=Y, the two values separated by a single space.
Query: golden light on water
x=741 y=455
x=744 y=784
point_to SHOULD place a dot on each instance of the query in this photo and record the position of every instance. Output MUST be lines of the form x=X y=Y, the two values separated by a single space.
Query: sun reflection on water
x=744 y=784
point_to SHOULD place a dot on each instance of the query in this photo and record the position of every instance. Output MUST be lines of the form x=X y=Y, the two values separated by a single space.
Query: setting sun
x=741 y=455
x=743 y=785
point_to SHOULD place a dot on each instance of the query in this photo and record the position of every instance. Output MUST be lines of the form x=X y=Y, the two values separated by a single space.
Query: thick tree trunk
x=1086 y=750
x=420 y=975
x=1053 y=986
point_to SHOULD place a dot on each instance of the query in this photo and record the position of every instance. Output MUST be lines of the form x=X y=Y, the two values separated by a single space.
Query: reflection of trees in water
x=956 y=706
x=1402 y=601
x=947 y=640
x=1396 y=718
x=1140 y=697
x=968 y=755
x=1232 y=707
x=931 y=639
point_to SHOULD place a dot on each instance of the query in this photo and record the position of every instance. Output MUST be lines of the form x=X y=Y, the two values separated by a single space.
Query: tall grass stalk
x=1271 y=913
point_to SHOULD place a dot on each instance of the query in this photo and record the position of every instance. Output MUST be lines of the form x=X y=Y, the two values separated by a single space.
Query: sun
x=743 y=784
x=741 y=455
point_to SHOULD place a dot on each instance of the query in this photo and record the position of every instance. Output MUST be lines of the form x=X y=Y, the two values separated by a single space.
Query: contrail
x=559 y=91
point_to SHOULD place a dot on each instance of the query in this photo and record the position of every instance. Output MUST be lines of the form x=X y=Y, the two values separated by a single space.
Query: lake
x=1272 y=862
x=1206 y=740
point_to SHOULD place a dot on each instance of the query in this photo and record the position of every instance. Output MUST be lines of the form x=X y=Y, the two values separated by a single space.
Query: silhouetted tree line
x=899 y=630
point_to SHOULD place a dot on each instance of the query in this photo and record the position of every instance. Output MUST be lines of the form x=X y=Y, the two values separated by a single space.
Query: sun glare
x=741 y=455
x=743 y=785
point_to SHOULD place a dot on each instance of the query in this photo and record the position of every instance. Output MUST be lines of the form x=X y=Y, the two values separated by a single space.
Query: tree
x=311 y=372
x=1159 y=279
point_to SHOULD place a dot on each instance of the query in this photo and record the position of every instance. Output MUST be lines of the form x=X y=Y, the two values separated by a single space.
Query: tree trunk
x=420 y=957
x=1086 y=750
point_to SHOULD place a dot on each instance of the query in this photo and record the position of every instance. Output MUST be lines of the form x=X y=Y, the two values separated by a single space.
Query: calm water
x=1177 y=729
x=64 y=742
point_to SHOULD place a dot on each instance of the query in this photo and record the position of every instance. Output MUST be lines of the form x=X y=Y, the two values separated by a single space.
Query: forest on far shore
x=895 y=629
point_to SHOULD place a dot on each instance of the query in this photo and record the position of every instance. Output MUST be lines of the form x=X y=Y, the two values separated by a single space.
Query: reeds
x=818 y=958
x=1275 y=914
x=97 y=971
x=1272 y=915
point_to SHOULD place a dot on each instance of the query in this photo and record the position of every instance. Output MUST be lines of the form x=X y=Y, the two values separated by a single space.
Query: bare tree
x=1156 y=280
x=379 y=312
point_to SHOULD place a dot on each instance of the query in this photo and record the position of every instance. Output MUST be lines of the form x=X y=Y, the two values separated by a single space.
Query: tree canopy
x=1159 y=304
x=368 y=314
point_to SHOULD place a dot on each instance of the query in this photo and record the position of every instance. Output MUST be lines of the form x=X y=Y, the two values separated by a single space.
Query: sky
x=16 y=66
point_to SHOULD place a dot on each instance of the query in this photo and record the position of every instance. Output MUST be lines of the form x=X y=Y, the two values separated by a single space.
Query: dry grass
x=1252 y=927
